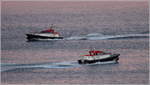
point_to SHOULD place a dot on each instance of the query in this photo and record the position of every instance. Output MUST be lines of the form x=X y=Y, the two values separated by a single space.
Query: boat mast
x=92 y=50
x=51 y=26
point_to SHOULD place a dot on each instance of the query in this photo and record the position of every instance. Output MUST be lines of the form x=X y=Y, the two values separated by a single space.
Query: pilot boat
x=95 y=56
x=48 y=34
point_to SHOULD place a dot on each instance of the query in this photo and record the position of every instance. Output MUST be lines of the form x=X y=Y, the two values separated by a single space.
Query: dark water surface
x=118 y=27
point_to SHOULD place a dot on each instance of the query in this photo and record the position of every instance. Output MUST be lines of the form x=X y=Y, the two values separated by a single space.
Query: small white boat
x=48 y=34
x=95 y=56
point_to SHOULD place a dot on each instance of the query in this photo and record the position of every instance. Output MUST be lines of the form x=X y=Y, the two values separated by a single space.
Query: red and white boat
x=48 y=34
x=95 y=56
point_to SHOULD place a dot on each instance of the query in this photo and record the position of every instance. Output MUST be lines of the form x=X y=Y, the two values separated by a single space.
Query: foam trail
x=99 y=36
x=7 y=67
x=60 y=65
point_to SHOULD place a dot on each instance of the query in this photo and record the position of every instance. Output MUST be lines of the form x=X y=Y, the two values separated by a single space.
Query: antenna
x=91 y=48
x=51 y=26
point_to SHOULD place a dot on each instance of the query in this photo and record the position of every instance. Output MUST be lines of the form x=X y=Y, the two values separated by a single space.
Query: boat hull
x=114 y=57
x=32 y=37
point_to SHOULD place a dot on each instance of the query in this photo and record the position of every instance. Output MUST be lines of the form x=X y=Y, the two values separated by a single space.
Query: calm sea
x=55 y=61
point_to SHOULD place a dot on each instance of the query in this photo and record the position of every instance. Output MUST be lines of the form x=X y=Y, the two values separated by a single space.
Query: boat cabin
x=95 y=52
x=50 y=30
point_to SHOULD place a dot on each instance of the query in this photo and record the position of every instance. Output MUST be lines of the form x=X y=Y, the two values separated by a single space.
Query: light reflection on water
x=51 y=61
